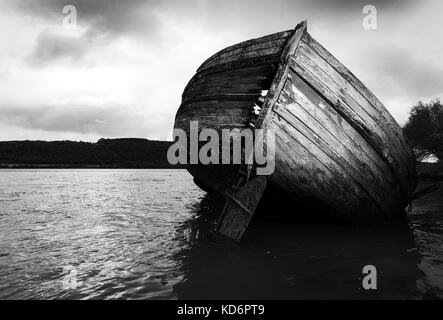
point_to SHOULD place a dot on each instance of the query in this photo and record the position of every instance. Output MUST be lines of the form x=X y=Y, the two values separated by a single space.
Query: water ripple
x=148 y=234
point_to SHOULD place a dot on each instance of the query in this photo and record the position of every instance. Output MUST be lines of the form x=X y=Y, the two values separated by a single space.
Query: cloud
x=99 y=23
x=400 y=78
x=359 y=4
x=107 y=17
x=109 y=121
x=406 y=74
x=51 y=46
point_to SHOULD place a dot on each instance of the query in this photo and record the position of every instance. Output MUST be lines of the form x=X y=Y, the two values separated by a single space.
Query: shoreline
x=425 y=171
x=429 y=171
x=68 y=166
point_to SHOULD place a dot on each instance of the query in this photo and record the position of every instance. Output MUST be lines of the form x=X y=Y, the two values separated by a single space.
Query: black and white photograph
x=221 y=155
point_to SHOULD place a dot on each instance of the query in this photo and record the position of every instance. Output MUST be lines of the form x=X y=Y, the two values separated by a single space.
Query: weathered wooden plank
x=211 y=122
x=367 y=129
x=240 y=208
x=245 y=44
x=223 y=97
x=308 y=101
x=241 y=75
x=266 y=48
x=396 y=152
x=239 y=84
x=238 y=115
x=348 y=94
x=244 y=55
x=225 y=88
x=292 y=169
x=220 y=117
x=252 y=42
x=294 y=41
x=323 y=152
x=329 y=183
x=242 y=107
x=217 y=105
x=280 y=76
x=267 y=61
x=354 y=157
x=335 y=152
x=337 y=183
x=232 y=80
x=348 y=75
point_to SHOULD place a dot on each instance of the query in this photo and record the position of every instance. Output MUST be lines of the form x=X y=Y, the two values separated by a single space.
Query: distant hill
x=105 y=153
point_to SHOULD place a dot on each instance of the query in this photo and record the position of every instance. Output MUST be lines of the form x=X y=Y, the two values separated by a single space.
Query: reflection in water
x=426 y=219
x=147 y=234
x=286 y=260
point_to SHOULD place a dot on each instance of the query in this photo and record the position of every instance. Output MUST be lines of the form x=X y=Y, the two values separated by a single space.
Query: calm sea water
x=147 y=234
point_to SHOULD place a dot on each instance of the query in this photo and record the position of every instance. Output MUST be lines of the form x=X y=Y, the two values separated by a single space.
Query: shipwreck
x=336 y=145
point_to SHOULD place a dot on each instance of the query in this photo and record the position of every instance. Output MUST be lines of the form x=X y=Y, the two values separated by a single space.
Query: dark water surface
x=147 y=234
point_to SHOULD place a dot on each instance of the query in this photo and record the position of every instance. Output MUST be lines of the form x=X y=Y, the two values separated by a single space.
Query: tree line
x=113 y=153
x=424 y=129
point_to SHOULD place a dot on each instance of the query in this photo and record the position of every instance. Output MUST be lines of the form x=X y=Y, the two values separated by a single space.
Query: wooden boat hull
x=336 y=144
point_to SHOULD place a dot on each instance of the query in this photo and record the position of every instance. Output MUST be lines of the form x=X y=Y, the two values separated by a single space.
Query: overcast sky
x=121 y=72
